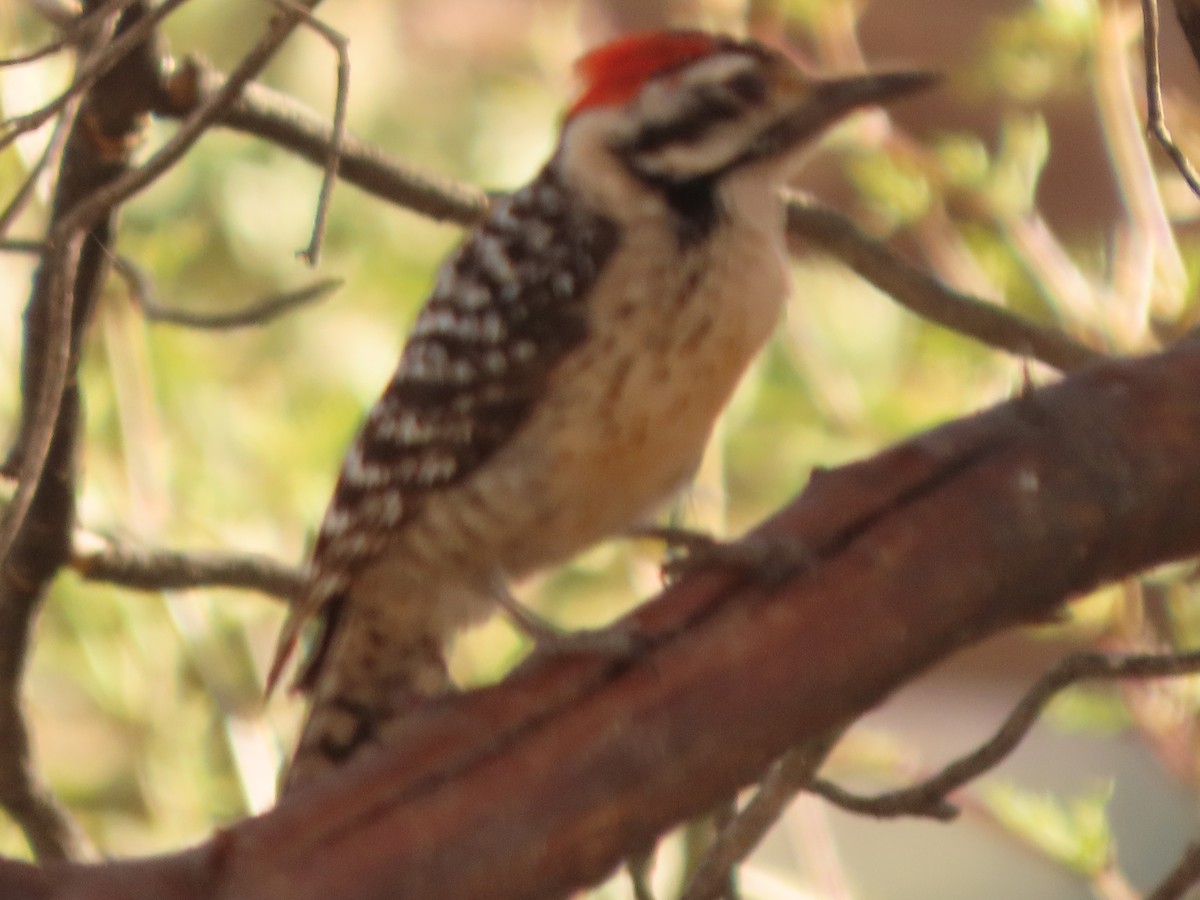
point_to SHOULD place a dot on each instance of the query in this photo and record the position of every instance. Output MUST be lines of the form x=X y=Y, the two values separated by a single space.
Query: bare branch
x=929 y=797
x=92 y=68
x=37 y=524
x=278 y=118
x=738 y=838
x=312 y=253
x=60 y=262
x=96 y=205
x=288 y=124
x=122 y=82
x=812 y=226
x=77 y=32
x=141 y=292
x=49 y=156
x=260 y=312
x=1156 y=120
x=163 y=570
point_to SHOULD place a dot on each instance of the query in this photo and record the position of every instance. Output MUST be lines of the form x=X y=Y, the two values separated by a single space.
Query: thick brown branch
x=546 y=781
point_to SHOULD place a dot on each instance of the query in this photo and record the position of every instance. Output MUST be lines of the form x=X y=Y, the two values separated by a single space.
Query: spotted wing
x=508 y=305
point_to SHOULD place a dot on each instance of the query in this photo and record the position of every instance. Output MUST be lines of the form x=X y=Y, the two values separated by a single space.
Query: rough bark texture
x=542 y=783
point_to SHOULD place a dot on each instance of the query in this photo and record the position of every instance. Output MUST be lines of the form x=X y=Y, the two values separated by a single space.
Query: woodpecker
x=563 y=378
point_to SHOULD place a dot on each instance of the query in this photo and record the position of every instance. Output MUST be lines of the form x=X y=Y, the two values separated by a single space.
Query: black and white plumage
x=507 y=305
x=565 y=374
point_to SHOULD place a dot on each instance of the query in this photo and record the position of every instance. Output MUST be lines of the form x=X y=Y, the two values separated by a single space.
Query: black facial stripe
x=694 y=202
x=748 y=86
x=710 y=106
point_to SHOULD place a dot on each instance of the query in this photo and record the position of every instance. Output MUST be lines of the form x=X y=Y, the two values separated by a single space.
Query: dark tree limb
x=37 y=525
x=543 y=783
x=95 y=177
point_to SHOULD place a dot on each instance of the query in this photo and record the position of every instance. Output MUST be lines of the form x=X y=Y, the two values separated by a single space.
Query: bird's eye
x=748 y=86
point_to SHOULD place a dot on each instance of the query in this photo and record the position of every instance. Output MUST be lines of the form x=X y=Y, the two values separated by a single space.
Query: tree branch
x=288 y=124
x=280 y=119
x=144 y=569
x=543 y=783
x=738 y=838
x=823 y=229
x=1156 y=121
x=929 y=797
x=35 y=531
x=123 y=81
x=259 y=312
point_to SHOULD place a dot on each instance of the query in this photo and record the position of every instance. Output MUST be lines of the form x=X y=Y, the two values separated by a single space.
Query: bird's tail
x=366 y=679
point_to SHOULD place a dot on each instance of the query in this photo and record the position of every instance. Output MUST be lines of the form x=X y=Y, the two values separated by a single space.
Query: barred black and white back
x=507 y=304
x=564 y=377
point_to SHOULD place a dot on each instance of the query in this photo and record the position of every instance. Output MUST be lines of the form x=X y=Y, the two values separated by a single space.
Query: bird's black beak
x=834 y=97
x=825 y=101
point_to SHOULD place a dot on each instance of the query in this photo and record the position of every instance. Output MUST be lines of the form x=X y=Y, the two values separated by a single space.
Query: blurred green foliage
x=1074 y=832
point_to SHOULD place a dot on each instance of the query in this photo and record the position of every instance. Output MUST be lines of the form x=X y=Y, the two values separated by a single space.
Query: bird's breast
x=627 y=414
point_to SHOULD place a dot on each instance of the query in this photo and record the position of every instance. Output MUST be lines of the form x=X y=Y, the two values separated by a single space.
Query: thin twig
x=312 y=253
x=90 y=209
x=74 y=34
x=48 y=156
x=59 y=262
x=279 y=119
x=90 y=70
x=20 y=245
x=1156 y=120
x=929 y=797
x=207 y=112
x=1185 y=874
x=735 y=841
x=99 y=559
x=813 y=226
x=141 y=291
x=282 y=120
x=260 y=312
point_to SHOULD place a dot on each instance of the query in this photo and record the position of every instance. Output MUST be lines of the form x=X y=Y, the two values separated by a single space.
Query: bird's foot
x=769 y=559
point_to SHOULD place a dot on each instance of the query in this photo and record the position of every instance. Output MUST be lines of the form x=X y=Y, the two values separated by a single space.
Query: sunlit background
x=1024 y=180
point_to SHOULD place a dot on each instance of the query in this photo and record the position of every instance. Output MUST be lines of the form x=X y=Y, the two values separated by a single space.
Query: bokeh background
x=1025 y=180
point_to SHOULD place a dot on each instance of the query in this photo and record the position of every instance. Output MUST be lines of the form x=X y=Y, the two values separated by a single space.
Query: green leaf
x=1074 y=832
